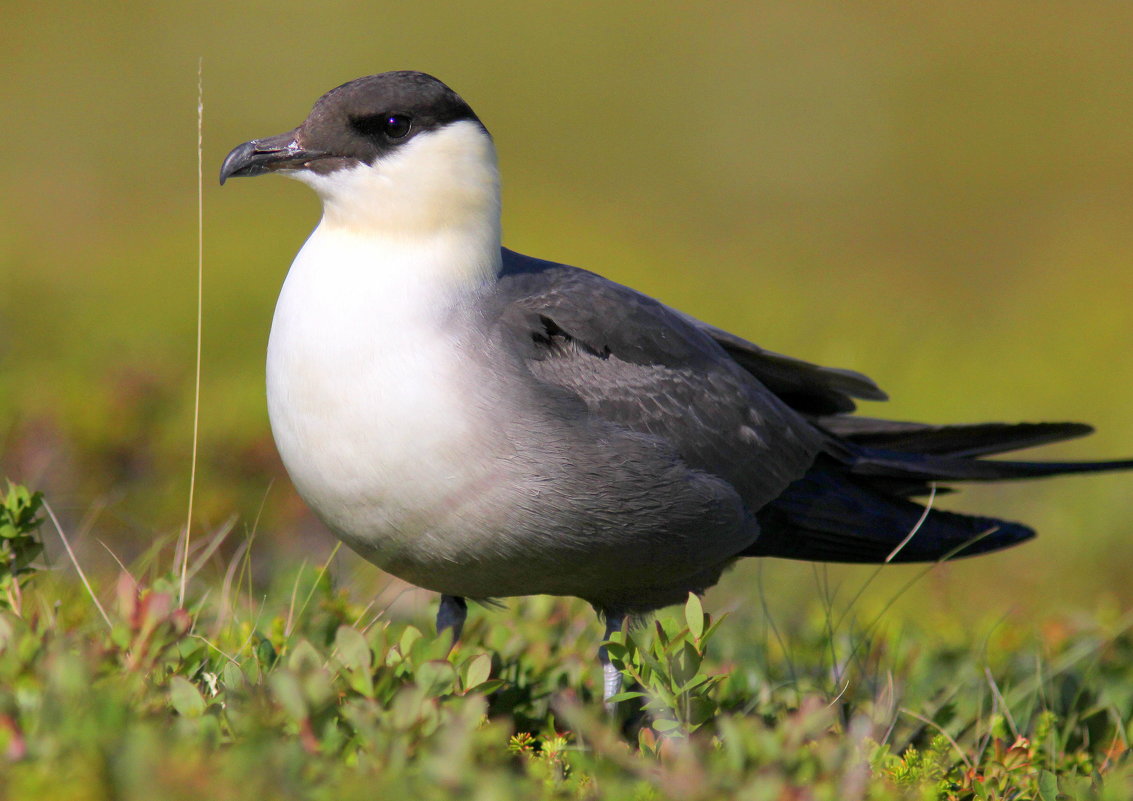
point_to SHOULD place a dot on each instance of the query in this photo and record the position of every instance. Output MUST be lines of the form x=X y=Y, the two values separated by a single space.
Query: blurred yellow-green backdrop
x=937 y=194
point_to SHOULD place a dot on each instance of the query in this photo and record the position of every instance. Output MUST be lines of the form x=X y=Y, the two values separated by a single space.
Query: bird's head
x=397 y=153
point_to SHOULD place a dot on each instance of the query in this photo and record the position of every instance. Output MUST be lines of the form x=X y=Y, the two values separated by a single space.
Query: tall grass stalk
x=200 y=321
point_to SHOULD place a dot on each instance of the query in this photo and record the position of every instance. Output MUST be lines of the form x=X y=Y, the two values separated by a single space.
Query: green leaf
x=408 y=638
x=998 y=726
x=686 y=666
x=265 y=651
x=435 y=677
x=476 y=671
x=488 y=687
x=1048 y=786
x=232 y=677
x=701 y=710
x=185 y=697
x=318 y=688
x=616 y=650
x=353 y=650
x=354 y=655
x=304 y=657
x=625 y=696
x=287 y=691
x=664 y=726
x=694 y=615
x=409 y=708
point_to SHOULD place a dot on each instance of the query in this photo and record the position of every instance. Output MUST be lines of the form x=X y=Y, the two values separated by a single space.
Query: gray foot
x=611 y=685
x=611 y=676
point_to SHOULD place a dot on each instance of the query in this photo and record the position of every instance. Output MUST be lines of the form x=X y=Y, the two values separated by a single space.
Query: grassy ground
x=938 y=195
x=306 y=691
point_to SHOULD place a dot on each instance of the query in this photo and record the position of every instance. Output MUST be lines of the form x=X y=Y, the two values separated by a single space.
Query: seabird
x=486 y=424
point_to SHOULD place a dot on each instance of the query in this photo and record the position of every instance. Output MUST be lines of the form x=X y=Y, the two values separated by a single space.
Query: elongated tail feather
x=827 y=517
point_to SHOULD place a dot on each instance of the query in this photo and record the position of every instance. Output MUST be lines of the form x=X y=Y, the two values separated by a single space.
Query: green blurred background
x=939 y=195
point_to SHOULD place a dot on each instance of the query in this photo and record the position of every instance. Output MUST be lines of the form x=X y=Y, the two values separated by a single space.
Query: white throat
x=441 y=181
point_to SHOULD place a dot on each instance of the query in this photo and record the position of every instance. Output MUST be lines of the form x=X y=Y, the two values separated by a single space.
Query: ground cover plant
x=937 y=195
x=302 y=690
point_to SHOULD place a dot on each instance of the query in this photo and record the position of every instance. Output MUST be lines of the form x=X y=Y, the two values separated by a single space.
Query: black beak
x=267 y=155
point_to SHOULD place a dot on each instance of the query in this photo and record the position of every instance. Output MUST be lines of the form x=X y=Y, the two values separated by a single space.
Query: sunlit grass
x=302 y=689
x=938 y=197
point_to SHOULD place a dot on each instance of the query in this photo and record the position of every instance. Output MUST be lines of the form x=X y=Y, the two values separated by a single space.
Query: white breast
x=382 y=425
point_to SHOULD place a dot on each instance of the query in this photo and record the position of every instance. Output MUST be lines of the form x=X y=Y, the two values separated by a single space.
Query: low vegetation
x=303 y=691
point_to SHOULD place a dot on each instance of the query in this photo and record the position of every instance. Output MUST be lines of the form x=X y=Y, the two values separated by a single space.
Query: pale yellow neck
x=440 y=182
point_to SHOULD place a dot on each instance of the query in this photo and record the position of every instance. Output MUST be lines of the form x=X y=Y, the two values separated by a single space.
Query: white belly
x=384 y=429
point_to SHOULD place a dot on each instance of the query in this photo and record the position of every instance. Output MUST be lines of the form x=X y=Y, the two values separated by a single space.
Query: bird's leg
x=450 y=615
x=611 y=676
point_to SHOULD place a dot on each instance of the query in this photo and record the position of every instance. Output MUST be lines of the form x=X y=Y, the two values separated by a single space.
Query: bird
x=485 y=424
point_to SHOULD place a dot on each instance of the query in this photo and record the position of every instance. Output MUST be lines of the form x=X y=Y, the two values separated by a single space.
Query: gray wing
x=643 y=366
x=805 y=387
x=822 y=485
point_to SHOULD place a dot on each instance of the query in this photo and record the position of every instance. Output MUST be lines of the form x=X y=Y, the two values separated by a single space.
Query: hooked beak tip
x=265 y=155
x=238 y=161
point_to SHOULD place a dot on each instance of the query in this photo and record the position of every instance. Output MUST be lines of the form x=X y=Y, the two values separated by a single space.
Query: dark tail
x=958 y=441
x=829 y=516
x=906 y=458
x=854 y=507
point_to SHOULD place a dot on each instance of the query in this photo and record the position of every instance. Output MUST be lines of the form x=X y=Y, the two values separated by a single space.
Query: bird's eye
x=389 y=126
x=396 y=126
